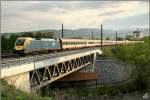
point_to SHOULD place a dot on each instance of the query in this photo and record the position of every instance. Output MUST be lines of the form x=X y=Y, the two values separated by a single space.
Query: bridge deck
x=26 y=64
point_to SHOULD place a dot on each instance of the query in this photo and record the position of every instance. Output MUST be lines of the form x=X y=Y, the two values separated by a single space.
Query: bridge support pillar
x=20 y=81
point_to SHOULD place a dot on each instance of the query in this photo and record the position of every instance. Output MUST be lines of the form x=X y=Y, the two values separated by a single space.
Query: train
x=28 y=45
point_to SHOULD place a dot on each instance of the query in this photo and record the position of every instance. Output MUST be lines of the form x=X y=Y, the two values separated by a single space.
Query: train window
x=20 y=42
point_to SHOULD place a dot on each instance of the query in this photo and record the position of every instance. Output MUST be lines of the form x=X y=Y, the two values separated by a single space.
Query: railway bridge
x=32 y=73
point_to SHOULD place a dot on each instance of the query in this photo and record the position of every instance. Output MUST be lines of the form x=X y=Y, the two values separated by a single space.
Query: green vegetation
x=39 y=34
x=110 y=90
x=137 y=55
x=7 y=44
x=107 y=38
x=9 y=92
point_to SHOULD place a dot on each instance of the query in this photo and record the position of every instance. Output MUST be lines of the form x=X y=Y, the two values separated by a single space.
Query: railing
x=23 y=60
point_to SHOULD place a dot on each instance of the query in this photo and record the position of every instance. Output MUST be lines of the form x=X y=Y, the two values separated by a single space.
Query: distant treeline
x=39 y=34
x=7 y=44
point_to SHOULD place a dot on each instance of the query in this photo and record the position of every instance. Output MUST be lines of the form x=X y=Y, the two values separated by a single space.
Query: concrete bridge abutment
x=20 y=81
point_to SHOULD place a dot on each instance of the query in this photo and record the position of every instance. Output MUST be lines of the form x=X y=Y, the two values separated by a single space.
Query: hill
x=87 y=33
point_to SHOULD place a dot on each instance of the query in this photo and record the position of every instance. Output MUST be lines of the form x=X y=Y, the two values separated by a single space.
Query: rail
x=23 y=60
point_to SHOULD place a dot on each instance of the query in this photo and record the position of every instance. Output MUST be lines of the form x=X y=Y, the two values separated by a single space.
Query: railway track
x=19 y=58
x=6 y=56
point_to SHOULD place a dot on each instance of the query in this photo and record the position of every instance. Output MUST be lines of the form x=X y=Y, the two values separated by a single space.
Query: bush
x=139 y=55
x=9 y=92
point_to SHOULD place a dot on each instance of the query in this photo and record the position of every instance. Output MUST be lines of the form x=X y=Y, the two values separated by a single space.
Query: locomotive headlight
x=19 y=47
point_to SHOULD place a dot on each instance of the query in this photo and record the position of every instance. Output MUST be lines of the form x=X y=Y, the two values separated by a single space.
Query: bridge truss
x=44 y=76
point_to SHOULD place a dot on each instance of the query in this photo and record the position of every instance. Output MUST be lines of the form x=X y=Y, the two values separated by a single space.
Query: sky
x=19 y=16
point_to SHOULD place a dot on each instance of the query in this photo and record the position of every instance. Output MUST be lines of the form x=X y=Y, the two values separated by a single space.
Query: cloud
x=110 y=13
x=130 y=22
x=36 y=15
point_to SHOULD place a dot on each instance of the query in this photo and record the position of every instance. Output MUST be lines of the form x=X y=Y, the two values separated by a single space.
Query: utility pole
x=101 y=36
x=92 y=36
x=149 y=42
x=116 y=38
x=62 y=32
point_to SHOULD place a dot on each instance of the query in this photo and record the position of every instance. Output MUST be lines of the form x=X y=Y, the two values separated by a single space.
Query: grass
x=9 y=92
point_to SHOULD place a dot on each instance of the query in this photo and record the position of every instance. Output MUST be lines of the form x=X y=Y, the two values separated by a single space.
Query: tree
x=142 y=71
x=39 y=34
x=107 y=38
x=8 y=44
x=3 y=43
x=28 y=34
x=12 y=40
x=120 y=38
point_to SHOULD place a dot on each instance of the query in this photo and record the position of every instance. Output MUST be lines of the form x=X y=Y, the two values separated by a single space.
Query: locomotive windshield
x=20 y=42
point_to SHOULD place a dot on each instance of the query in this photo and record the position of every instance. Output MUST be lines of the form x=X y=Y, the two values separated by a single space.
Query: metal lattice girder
x=44 y=76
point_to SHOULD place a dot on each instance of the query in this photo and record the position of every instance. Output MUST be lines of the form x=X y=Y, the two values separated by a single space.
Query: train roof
x=76 y=39
x=43 y=39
